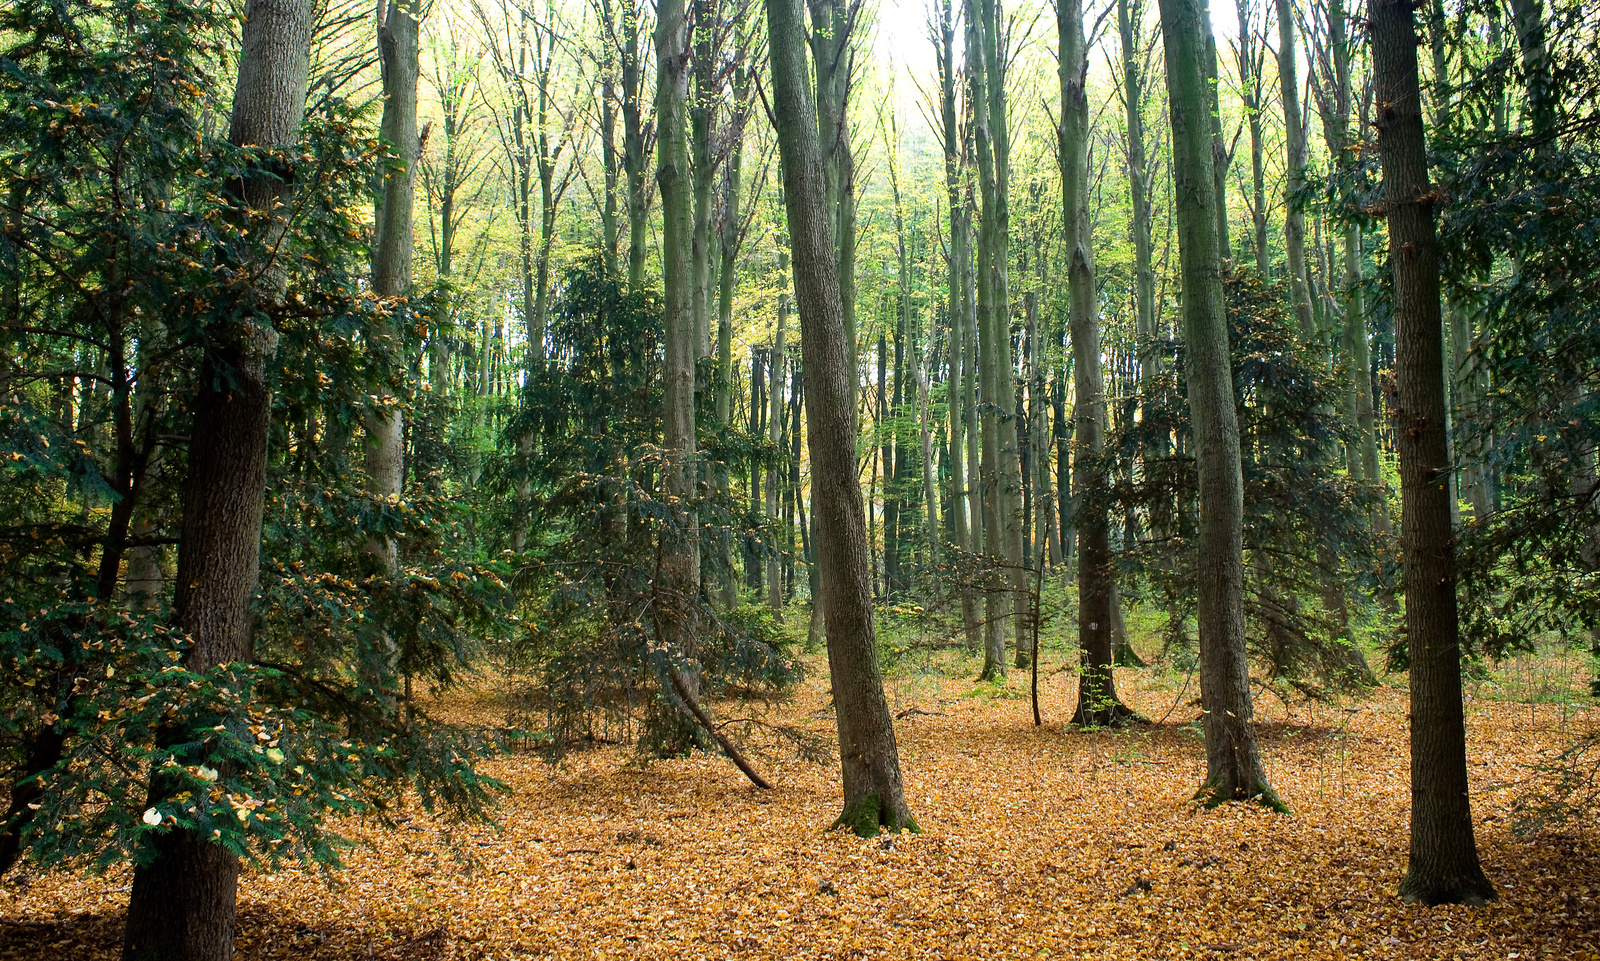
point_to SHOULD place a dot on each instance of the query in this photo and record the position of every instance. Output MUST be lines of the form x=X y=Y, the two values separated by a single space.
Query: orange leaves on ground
x=1038 y=843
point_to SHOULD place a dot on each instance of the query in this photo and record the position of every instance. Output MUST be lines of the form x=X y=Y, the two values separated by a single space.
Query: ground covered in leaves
x=1038 y=842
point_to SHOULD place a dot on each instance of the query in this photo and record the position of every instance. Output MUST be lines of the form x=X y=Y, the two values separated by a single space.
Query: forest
x=826 y=479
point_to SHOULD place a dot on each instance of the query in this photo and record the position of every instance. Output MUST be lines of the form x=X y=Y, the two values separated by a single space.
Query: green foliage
x=1305 y=522
x=594 y=635
x=1522 y=226
x=125 y=250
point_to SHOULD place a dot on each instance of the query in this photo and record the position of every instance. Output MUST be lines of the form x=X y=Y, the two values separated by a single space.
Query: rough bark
x=1444 y=864
x=1233 y=760
x=183 y=896
x=874 y=796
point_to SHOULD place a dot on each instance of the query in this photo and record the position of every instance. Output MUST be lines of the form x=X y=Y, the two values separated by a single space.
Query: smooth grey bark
x=1294 y=219
x=994 y=604
x=1097 y=692
x=774 y=431
x=182 y=902
x=680 y=565
x=996 y=62
x=1444 y=865
x=705 y=92
x=1249 y=56
x=952 y=139
x=832 y=41
x=1130 y=16
x=399 y=57
x=1233 y=760
x=874 y=794
x=1221 y=154
x=635 y=151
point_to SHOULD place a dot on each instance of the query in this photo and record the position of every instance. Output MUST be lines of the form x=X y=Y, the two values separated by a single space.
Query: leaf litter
x=1038 y=843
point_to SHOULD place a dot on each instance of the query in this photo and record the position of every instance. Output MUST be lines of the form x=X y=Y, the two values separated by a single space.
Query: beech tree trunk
x=393 y=242
x=874 y=796
x=1294 y=220
x=1444 y=864
x=183 y=896
x=679 y=580
x=1233 y=760
x=963 y=520
x=634 y=152
x=993 y=356
x=1097 y=691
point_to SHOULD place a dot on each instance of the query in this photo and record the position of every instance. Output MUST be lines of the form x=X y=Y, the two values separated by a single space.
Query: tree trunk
x=953 y=139
x=997 y=605
x=183 y=895
x=1444 y=864
x=398 y=56
x=680 y=554
x=874 y=796
x=774 y=417
x=634 y=154
x=1250 y=56
x=1294 y=220
x=1097 y=693
x=1233 y=761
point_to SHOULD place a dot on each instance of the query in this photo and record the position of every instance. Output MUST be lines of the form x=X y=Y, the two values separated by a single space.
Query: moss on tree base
x=1218 y=791
x=867 y=817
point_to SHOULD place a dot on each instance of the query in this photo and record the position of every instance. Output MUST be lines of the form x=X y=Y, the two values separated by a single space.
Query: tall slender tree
x=874 y=794
x=399 y=57
x=680 y=556
x=952 y=138
x=1097 y=691
x=1444 y=865
x=1233 y=759
x=1294 y=136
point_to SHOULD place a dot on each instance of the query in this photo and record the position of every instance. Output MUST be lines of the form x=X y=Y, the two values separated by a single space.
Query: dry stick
x=682 y=687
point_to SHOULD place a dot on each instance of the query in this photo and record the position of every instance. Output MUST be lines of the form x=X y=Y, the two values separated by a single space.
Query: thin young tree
x=1294 y=135
x=874 y=795
x=1444 y=865
x=952 y=139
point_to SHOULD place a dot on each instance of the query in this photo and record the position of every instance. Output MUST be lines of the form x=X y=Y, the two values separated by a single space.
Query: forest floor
x=1037 y=842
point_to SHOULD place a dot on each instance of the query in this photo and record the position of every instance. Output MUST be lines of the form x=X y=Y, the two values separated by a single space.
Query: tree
x=1233 y=760
x=952 y=138
x=399 y=54
x=874 y=795
x=182 y=902
x=679 y=539
x=1097 y=691
x=1444 y=864
x=1294 y=135
x=1331 y=85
